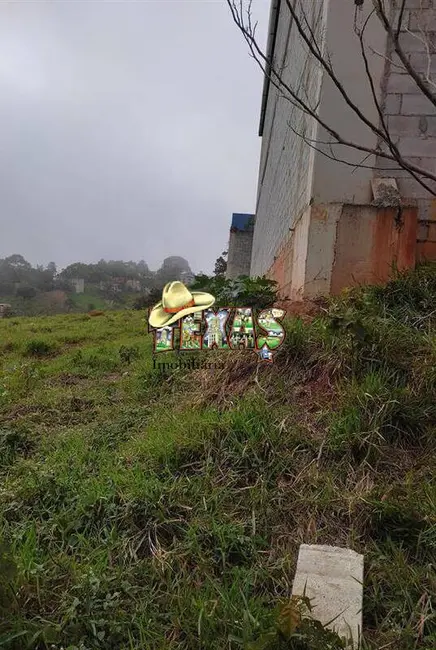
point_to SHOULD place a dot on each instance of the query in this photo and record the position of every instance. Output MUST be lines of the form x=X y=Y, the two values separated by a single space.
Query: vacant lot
x=146 y=511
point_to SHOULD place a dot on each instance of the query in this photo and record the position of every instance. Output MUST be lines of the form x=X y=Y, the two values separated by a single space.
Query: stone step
x=333 y=579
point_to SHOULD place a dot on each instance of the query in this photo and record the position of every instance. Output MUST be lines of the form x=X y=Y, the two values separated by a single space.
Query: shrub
x=39 y=348
x=143 y=302
x=8 y=346
x=12 y=443
x=258 y=293
x=409 y=294
x=128 y=353
x=26 y=292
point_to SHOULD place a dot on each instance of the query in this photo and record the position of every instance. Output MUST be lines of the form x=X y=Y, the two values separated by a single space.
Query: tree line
x=19 y=278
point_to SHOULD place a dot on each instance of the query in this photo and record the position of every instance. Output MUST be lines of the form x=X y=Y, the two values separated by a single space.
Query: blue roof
x=241 y=220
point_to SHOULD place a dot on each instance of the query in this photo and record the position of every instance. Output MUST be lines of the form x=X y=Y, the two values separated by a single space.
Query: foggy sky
x=128 y=130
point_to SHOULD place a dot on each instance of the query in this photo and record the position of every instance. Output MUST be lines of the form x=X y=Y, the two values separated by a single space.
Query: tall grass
x=140 y=510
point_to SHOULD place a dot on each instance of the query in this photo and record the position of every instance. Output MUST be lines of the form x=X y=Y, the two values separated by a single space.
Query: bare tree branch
x=395 y=38
x=275 y=77
x=383 y=122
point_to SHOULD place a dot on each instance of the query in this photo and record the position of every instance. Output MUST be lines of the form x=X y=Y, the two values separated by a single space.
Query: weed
x=39 y=348
x=12 y=442
x=128 y=353
x=295 y=629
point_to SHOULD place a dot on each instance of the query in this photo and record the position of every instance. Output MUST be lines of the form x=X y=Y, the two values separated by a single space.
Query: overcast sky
x=128 y=129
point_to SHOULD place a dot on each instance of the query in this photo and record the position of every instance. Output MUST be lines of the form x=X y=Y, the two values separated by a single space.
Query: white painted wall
x=335 y=182
x=285 y=164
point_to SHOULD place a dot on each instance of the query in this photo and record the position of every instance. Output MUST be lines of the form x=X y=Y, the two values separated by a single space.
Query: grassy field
x=142 y=510
x=83 y=301
x=41 y=304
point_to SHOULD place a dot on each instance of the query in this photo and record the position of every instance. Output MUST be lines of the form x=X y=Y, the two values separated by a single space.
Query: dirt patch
x=283 y=381
x=222 y=386
x=20 y=410
x=68 y=379
x=307 y=310
x=112 y=377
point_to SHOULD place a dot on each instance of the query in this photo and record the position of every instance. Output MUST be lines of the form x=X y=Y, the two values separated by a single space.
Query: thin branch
x=328 y=68
x=400 y=18
x=360 y=34
x=277 y=80
x=392 y=145
x=395 y=37
x=312 y=143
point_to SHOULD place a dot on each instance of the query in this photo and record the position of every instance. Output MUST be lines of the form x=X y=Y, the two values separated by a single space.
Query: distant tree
x=62 y=284
x=143 y=302
x=15 y=269
x=76 y=270
x=171 y=269
x=201 y=280
x=18 y=262
x=221 y=265
x=26 y=292
x=108 y=270
x=6 y=288
x=42 y=278
x=143 y=267
x=69 y=303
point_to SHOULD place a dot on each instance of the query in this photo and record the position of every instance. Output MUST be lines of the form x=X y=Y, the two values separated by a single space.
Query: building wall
x=302 y=192
x=412 y=117
x=285 y=175
x=78 y=284
x=187 y=277
x=239 y=253
x=4 y=309
x=346 y=182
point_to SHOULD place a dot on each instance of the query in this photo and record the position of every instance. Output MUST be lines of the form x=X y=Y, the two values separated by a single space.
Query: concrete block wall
x=411 y=116
x=239 y=253
x=301 y=193
x=285 y=174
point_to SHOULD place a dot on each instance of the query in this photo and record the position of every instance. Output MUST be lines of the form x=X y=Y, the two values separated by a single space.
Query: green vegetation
x=113 y=284
x=87 y=301
x=141 y=510
x=258 y=293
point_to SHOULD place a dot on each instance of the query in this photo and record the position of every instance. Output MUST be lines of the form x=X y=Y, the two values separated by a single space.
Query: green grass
x=144 y=510
x=85 y=300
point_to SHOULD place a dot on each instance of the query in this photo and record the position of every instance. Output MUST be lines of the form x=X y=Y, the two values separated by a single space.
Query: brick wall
x=285 y=162
x=412 y=117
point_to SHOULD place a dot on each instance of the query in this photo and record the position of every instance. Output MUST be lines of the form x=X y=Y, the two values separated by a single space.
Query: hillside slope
x=143 y=510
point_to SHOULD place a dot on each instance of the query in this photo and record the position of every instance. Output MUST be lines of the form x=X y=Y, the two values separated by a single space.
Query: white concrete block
x=393 y=104
x=418 y=147
x=385 y=191
x=402 y=84
x=418 y=4
x=404 y=125
x=333 y=578
x=423 y=20
x=411 y=42
x=417 y=105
